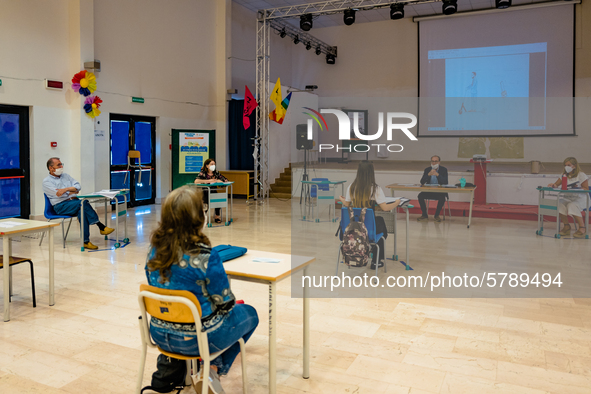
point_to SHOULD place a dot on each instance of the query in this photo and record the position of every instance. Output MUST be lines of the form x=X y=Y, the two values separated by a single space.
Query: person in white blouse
x=572 y=204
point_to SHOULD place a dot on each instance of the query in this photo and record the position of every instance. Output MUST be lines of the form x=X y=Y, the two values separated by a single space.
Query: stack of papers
x=107 y=193
x=10 y=224
x=265 y=260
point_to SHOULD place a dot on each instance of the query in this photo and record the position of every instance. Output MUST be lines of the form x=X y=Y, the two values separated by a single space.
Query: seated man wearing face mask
x=61 y=189
x=436 y=174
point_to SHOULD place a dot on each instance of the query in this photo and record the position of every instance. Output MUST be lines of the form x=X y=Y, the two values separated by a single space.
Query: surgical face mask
x=434 y=166
x=212 y=167
x=59 y=171
x=568 y=169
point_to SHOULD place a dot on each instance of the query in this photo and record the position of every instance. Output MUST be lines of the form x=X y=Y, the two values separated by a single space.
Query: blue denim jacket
x=202 y=274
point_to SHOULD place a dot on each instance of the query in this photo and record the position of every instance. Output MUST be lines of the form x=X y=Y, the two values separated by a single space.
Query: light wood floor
x=89 y=341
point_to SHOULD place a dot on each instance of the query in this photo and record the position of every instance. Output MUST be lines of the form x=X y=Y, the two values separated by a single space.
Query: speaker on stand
x=303 y=143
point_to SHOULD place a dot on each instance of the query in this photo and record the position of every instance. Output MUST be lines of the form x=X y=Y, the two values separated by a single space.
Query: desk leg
x=51 y=271
x=82 y=225
x=306 y=330
x=272 y=338
x=106 y=203
x=558 y=217
x=117 y=222
x=395 y=256
x=407 y=252
x=470 y=214
x=6 y=275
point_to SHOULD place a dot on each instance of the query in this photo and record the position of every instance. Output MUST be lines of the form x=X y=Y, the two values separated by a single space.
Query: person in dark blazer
x=434 y=174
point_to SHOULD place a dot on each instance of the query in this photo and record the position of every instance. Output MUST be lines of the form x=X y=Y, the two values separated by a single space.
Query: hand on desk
x=551 y=185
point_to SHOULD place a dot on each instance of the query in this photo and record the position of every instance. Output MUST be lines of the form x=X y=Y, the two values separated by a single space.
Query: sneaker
x=107 y=231
x=565 y=230
x=423 y=219
x=214 y=386
x=437 y=219
x=579 y=234
x=90 y=245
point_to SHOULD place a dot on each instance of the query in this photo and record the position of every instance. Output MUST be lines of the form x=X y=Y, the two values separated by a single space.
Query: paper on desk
x=107 y=193
x=408 y=184
x=10 y=224
x=265 y=260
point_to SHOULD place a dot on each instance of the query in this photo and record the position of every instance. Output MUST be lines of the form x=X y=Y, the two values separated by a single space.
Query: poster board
x=190 y=148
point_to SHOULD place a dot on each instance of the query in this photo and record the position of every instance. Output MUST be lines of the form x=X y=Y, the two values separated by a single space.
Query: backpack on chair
x=355 y=247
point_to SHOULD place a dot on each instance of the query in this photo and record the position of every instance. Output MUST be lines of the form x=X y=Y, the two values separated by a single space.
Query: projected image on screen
x=502 y=74
x=474 y=76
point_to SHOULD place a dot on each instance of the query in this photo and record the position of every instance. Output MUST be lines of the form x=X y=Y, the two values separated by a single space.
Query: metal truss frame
x=261 y=140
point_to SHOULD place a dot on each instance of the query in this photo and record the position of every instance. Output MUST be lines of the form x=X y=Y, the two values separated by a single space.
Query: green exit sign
x=137 y=100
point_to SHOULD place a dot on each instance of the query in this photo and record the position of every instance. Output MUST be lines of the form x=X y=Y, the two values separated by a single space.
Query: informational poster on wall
x=193 y=151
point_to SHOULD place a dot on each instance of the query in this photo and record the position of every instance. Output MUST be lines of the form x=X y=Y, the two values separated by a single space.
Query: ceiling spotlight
x=308 y=46
x=397 y=11
x=449 y=7
x=306 y=22
x=318 y=50
x=501 y=4
x=296 y=39
x=330 y=59
x=282 y=33
x=349 y=17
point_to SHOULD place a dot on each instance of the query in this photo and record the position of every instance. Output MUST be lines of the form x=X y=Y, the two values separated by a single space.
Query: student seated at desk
x=572 y=204
x=436 y=174
x=208 y=174
x=181 y=258
x=365 y=193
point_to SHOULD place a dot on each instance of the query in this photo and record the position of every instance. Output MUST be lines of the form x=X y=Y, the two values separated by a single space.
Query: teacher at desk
x=209 y=174
x=436 y=174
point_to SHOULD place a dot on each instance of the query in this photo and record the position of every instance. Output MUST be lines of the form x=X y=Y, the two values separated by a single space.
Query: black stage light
x=449 y=7
x=502 y=4
x=306 y=22
x=318 y=50
x=308 y=46
x=330 y=59
x=282 y=33
x=397 y=11
x=349 y=17
x=296 y=39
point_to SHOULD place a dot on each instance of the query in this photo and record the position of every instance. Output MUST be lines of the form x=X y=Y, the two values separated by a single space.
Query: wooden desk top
x=396 y=186
x=24 y=226
x=237 y=171
x=244 y=267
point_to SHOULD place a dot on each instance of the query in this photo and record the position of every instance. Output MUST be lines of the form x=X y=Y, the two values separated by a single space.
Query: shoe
x=437 y=219
x=214 y=386
x=579 y=234
x=90 y=245
x=218 y=220
x=565 y=230
x=107 y=231
x=423 y=219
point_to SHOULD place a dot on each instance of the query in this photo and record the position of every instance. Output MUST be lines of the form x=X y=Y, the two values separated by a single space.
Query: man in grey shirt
x=61 y=189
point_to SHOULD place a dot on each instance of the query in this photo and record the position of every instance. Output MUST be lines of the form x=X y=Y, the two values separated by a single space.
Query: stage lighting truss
x=287 y=30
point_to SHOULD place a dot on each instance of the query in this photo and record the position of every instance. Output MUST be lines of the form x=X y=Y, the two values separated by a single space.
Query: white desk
x=25 y=227
x=220 y=200
x=243 y=268
x=90 y=197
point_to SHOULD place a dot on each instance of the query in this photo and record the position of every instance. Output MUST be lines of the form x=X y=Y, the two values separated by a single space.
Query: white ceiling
x=382 y=14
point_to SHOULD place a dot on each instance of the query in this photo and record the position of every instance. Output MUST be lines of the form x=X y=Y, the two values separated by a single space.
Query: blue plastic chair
x=370 y=224
x=51 y=215
x=314 y=188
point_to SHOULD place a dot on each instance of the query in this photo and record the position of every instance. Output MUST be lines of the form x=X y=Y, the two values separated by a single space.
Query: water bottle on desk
x=564 y=181
x=462 y=182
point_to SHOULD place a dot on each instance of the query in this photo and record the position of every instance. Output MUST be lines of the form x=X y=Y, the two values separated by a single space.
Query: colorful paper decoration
x=84 y=82
x=91 y=106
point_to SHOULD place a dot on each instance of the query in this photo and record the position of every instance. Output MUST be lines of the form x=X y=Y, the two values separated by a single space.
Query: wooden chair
x=18 y=260
x=177 y=306
x=132 y=155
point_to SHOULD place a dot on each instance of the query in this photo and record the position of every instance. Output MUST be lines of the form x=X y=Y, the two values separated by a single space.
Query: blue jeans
x=72 y=207
x=239 y=323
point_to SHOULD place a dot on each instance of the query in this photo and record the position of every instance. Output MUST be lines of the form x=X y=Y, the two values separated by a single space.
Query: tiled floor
x=89 y=341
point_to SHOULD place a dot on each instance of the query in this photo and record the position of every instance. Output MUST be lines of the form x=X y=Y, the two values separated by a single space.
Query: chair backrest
x=370 y=222
x=134 y=154
x=49 y=212
x=314 y=188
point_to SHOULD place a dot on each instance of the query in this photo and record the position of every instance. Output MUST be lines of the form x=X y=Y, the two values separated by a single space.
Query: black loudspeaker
x=302 y=141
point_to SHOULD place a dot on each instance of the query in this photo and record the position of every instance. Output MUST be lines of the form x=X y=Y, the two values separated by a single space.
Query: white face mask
x=434 y=166
x=212 y=167
x=59 y=171
x=568 y=169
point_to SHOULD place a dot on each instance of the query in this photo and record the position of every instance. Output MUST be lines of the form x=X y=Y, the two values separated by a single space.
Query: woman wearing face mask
x=209 y=174
x=572 y=204
x=181 y=258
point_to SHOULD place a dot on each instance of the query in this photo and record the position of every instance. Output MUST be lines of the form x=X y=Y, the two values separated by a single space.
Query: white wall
x=167 y=54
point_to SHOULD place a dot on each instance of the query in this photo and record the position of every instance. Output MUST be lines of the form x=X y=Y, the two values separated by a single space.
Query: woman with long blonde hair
x=572 y=204
x=365 y=193
x=181 y=258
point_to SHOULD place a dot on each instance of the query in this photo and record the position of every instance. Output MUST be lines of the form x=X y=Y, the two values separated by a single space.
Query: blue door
x=14 y=162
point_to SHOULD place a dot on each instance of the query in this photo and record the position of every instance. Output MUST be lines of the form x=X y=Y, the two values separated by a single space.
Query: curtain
x=240 y=141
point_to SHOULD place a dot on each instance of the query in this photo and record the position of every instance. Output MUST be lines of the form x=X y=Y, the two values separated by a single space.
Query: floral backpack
x=355 y=247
